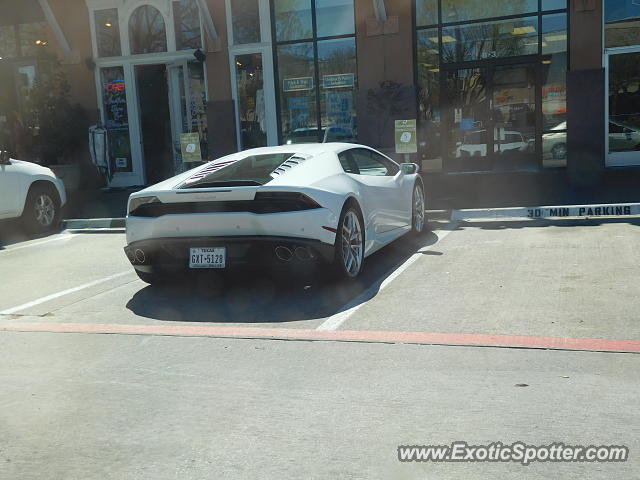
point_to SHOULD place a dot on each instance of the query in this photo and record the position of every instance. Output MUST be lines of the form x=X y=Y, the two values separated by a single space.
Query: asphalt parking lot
x=462 y=334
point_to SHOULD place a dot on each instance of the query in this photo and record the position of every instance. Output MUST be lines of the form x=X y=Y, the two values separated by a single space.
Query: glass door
x=513 y=114
x=623 y=131
x=467 y=119
x=187 y=104
x=491 y=117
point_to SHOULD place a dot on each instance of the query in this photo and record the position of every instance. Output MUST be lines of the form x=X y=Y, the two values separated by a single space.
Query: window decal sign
x=406 y=141
x=340 y=80
x=297 y=84
x=190 y=147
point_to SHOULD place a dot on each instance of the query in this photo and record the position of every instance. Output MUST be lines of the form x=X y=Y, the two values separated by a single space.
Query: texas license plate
x=207 y=257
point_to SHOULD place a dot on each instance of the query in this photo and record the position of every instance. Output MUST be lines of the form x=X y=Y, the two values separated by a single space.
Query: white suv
x=30 y=192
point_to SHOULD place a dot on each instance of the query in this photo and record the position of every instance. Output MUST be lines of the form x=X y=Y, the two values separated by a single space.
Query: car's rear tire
x=349 y=246
x=41 y=209
x=418 y=214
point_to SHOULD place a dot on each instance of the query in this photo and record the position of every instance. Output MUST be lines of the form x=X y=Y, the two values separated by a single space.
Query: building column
x=585 y=91
x=385 y=58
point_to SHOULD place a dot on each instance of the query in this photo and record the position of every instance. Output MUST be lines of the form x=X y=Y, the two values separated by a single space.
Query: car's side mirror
x=5 y=157
x=409 y=168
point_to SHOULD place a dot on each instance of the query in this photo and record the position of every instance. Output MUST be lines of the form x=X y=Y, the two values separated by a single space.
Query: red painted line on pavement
x=431 y=338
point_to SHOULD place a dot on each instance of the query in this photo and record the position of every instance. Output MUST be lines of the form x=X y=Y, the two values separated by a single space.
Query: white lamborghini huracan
x=331 y=202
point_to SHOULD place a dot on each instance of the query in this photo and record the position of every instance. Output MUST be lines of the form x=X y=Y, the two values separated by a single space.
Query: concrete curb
x=612 y=210
x=88 y=223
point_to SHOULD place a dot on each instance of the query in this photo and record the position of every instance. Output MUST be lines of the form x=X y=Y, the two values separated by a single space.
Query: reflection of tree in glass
x=624 y=88
x=147 y=31
x=293 y=20
x=487 y=40
x=187 y=21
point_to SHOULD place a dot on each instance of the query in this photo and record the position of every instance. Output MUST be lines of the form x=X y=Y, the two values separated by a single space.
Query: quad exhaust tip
x=284 y=253
x=140 y=256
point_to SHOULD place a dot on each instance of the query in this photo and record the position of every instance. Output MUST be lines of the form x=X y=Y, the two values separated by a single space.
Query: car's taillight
x=294 y=200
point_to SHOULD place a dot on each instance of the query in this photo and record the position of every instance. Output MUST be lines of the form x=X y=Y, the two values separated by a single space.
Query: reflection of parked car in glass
x=554 y=143
x=30 y=192
x=330 y=134
x=623 y=138
x=474 y=143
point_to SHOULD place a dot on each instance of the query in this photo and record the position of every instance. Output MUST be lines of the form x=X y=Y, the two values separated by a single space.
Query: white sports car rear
x=331 y=202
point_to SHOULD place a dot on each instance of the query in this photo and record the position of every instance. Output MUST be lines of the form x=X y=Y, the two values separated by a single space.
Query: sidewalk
x=520 y=189
x=446 y=191
x=98 y=203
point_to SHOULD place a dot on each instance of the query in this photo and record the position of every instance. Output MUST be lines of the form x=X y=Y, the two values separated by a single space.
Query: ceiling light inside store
x=434 y=69
x=555 y=38
x=523 y=30
x=546 y=62
x=448 y=39
x=108 y=25
x=38 y=42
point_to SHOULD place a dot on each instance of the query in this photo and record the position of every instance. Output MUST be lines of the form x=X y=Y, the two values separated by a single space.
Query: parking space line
x=62 y=236
x=362 y=336
x=68 y=291
x=336 y=320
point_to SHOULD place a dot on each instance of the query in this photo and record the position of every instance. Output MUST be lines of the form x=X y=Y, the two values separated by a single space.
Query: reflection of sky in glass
x=621 y=9
x=334 y=17
x=426 y=12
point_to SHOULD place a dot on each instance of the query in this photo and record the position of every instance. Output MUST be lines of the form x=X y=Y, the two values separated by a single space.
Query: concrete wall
x=220 y=110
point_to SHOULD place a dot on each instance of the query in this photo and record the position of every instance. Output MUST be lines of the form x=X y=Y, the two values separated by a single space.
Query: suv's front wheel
x=41 y=210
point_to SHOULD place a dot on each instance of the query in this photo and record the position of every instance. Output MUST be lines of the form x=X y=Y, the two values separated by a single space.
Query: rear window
x=252 y=170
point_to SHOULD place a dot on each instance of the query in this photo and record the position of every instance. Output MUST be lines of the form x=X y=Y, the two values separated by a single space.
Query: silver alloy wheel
x=352 y=244
x=45 y=210
x=418 y=209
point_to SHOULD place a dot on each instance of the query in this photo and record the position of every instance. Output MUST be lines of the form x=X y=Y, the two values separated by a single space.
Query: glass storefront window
x=334 y=17
x=8 y=41
x=624 y=103
x=293 y=19
x=33 y=37
x=429 y=93
x=317 y=77
x=298 y=112
x=338 y=79
x=107 y=32
x=186 y=18
x=503 y=38
x=147 y=32
x=467 y=98
x=426 y=12
x=554 y=4
x=198 y=105
x=114 y=101
x=245 y=15
x=554 y=70
x=251 y=104
x=463 y=10
x=622 y=23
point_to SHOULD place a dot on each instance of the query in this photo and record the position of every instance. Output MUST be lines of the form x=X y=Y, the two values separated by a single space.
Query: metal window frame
x=313 y=39
x=490 y=64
